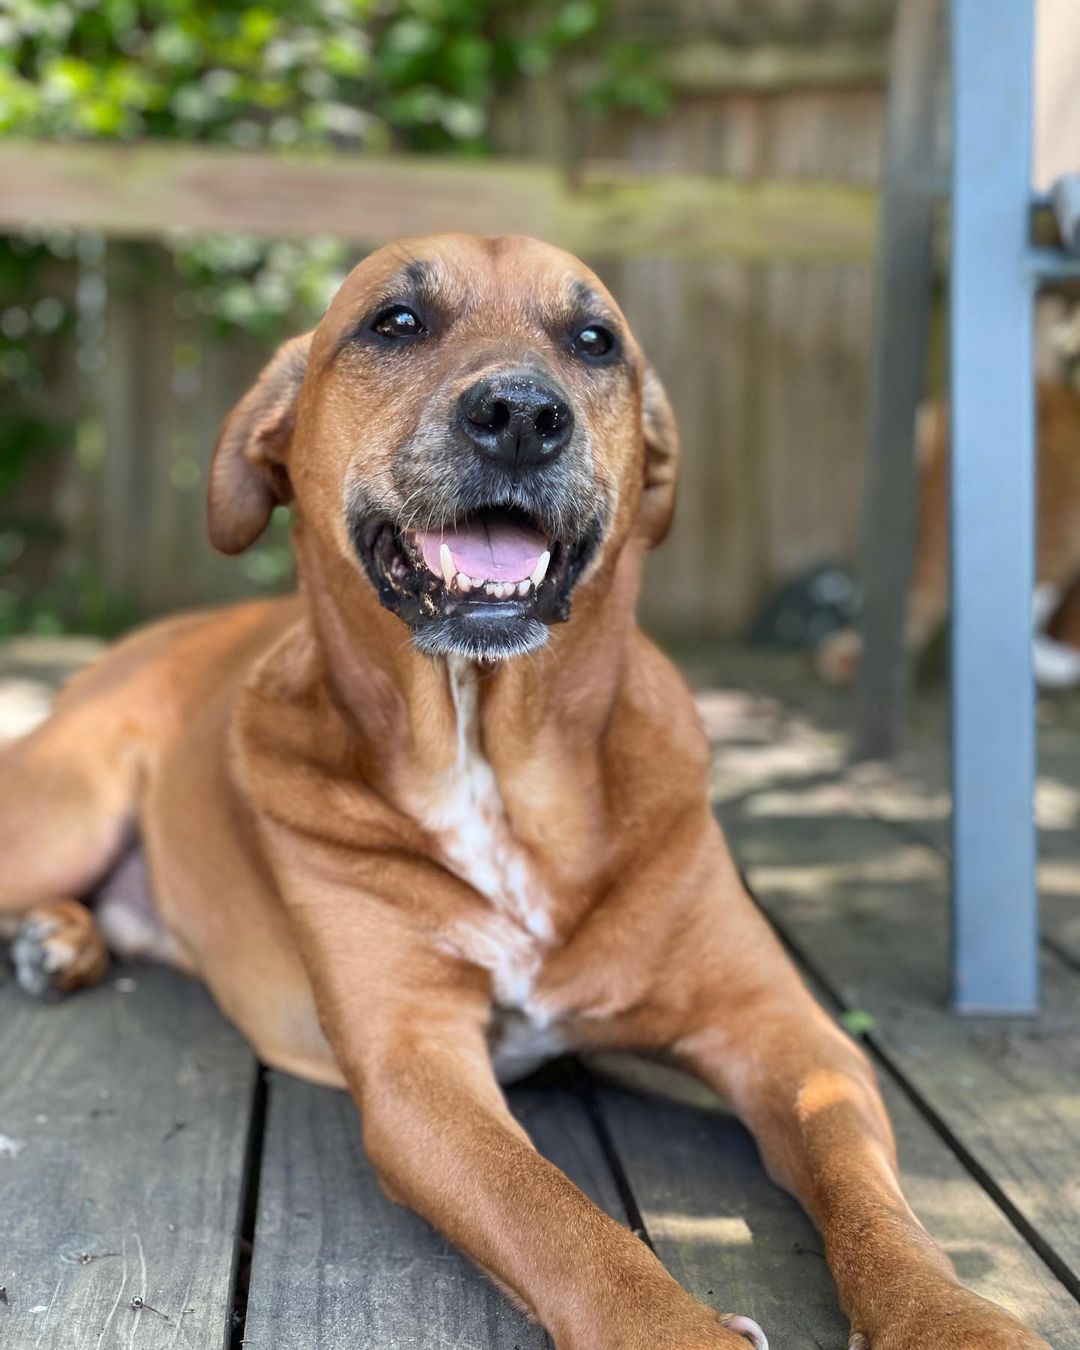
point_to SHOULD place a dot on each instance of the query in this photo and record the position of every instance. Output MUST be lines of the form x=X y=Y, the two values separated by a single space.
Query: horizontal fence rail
x=603 y=210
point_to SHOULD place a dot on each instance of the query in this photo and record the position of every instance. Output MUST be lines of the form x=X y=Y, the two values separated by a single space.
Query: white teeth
x=540 y=571
x=446 y=559
x=498 y=590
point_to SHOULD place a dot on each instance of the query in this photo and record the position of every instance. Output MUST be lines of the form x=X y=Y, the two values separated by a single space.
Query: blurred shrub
x=417 y=74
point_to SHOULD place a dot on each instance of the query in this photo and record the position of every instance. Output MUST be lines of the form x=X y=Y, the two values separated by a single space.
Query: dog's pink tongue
x=495 y=552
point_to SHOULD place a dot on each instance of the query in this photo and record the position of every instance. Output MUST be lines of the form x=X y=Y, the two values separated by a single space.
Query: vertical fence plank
x=898 y=370
x=40 y=423
x=138 y=409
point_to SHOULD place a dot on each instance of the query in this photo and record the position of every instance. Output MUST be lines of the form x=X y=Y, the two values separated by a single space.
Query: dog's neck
x=392 y=694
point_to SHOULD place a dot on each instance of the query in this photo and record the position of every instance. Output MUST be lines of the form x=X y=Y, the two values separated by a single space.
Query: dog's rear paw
x=58 y=949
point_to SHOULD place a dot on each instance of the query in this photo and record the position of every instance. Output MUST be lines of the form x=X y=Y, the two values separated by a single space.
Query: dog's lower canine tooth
x=540 y=571
x=446 y=559
x=464 y=583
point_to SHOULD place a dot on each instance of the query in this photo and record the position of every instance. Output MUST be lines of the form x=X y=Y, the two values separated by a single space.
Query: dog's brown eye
x=594 y=341
x=398 y=322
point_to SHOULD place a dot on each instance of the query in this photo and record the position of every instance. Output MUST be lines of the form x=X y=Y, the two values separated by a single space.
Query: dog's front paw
x=951 y=1318
x=713 y=1331
x=57 y=949
x=686 y=1326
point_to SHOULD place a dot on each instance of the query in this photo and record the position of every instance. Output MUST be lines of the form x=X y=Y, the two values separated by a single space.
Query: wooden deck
x=145 y=1155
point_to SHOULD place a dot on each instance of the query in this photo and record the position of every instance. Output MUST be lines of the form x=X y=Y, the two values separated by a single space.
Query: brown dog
x=1057 y=539
x=448 y=806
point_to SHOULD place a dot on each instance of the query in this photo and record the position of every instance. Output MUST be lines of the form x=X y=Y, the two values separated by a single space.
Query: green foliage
x=75 y=600
x=419 y=74
x=258 y=286
x=858 y=1022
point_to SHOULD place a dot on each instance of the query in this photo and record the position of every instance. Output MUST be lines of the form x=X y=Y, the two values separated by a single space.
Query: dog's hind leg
x=67 y=808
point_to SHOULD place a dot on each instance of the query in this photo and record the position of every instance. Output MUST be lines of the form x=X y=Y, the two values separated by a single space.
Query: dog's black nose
x=523 y=421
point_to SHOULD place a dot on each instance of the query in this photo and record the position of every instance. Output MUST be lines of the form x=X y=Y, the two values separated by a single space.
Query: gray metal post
x=897 y=371
x=995 y=917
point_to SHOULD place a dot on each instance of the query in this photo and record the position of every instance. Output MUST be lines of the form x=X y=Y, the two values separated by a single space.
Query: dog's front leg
x=810 y=1097
x=407 y=1024
x=439 y=1134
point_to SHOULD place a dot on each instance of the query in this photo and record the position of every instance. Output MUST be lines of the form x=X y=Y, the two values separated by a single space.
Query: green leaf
x=858 y=1022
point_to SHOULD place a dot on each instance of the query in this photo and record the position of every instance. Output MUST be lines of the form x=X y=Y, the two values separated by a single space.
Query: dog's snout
x=519 y=419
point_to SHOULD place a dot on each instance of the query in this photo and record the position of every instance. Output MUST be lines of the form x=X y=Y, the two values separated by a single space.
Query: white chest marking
x=520 y=1044
x=466 y=814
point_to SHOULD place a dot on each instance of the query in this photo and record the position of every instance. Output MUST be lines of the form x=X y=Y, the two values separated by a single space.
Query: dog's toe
x=29 y=956
x=747 y=1328
x=58 y=949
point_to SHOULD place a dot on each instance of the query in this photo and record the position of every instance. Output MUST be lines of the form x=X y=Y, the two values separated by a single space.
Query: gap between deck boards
x=830 y=996
x=850 y=865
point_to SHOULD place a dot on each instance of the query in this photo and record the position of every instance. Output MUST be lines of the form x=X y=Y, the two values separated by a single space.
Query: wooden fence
x=738 y=233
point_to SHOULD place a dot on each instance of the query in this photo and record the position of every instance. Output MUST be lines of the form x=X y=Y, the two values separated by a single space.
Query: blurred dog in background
x=1057 y=560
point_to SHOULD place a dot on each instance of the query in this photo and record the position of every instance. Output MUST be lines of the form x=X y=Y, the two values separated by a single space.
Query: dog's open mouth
x=485 y=586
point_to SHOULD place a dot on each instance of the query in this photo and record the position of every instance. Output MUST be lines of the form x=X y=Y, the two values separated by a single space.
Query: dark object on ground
x=805 y=611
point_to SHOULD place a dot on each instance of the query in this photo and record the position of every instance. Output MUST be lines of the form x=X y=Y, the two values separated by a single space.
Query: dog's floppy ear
x=661 y=459
x=248 y=477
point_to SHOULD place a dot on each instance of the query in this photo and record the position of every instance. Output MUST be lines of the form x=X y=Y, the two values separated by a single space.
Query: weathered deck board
x=783 y=731
x=1005 y=1088
x=737 y=1242
x=851 y=864
x=337 y=1264
x=726 y=1233
x=124 y=1119
x=865 y=902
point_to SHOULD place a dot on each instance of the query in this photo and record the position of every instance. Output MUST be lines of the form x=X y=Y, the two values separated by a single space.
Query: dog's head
x=473 y=425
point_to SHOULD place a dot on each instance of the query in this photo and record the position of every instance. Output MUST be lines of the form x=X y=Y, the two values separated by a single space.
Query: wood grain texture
x=764 y=359
x=726 y=1233
x=171 y=383
x=123 y=1126
x=338 y=1265
x=740 y=1244
x=851 y=864
x=866 y=905
x=781 y=746
x=147 y=190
